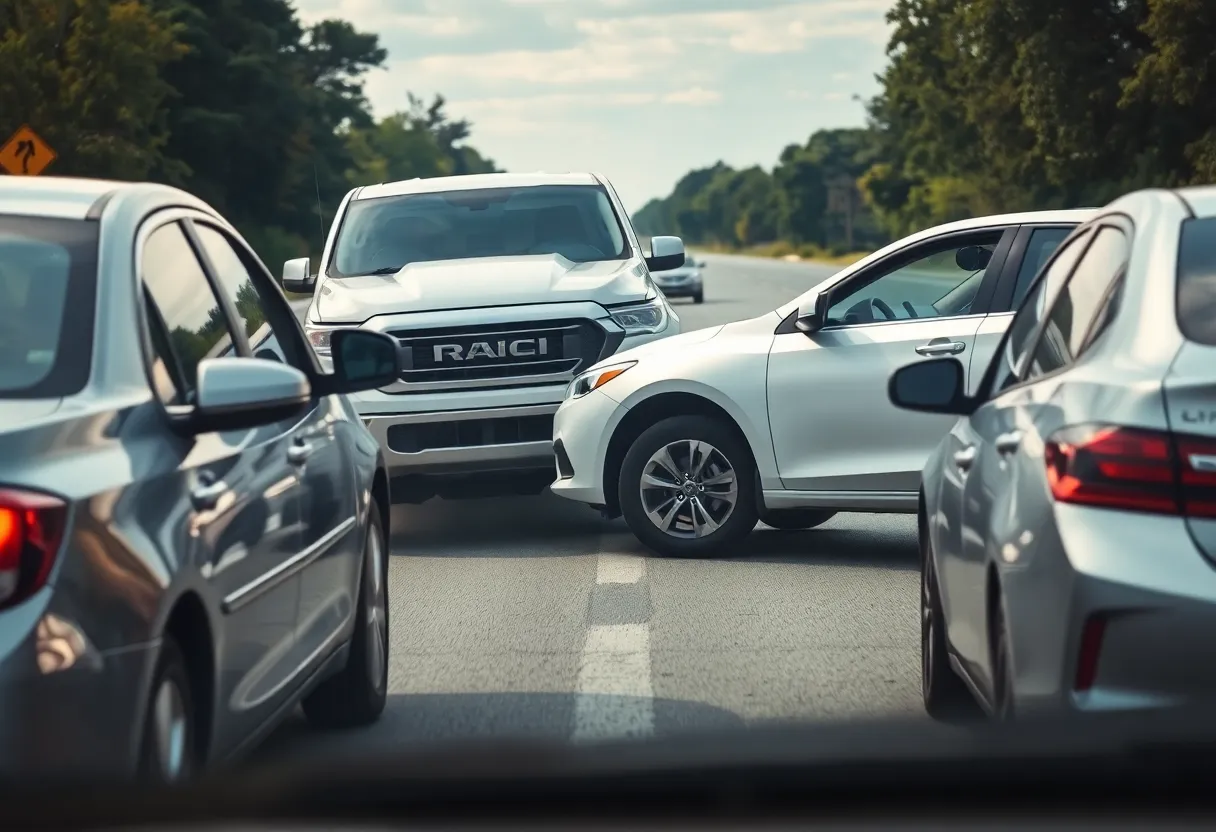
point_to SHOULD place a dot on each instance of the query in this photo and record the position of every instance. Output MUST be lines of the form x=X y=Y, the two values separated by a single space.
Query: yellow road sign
x=25 y=153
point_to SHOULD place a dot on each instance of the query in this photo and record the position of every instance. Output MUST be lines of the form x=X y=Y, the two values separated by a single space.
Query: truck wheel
x=796 y=519
x=687 y=487
x=356 y=696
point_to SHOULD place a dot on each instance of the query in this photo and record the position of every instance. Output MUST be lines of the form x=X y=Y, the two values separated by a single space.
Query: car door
x=330 y=550
x=833 y=427
x=243 y=506
x=1031 y=250
x=1003 y=498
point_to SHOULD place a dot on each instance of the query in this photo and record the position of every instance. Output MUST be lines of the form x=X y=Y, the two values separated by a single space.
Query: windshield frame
x=72 y=365
x=331 y=270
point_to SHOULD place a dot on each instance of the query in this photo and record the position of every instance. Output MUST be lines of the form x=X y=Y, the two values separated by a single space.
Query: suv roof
x=474 y=181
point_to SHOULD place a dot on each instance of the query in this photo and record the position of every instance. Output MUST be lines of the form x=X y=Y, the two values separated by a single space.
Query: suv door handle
x=299 y=452
x=1007 y=443
x=964 y=458
x=205 y=497
x=941 y=347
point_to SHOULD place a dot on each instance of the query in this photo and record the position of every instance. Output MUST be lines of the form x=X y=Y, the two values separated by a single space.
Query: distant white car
x=684 y=281
x=785 y=417
x=500 y=288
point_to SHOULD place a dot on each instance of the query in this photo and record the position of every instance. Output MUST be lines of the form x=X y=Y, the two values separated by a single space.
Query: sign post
x=25 y=153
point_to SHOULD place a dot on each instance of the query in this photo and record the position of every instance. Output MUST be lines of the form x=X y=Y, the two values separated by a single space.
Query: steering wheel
x=881 y=306
x=911 y=310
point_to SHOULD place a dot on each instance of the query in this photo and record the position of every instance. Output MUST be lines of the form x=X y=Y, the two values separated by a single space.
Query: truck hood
x=479 y=283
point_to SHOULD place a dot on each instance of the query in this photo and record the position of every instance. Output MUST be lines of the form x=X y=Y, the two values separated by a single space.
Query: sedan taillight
x=31 y=531
x=1133 y=469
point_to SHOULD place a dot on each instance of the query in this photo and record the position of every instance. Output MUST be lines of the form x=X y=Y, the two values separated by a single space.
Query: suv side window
x=1084 y=299
x=940 y=281
x=242 y=290
x=1042 y=244
x=1034 y=307
x=194 y=324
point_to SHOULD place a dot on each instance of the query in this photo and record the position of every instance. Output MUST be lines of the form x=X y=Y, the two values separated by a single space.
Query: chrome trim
x=904 y=321
x=899 y=502
x=1203 y=462
x=268 y=580
x=460 y=415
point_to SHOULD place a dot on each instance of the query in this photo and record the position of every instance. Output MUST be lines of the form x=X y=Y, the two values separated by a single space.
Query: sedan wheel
x=945 y=695
x=167 y=752
x=687 y=487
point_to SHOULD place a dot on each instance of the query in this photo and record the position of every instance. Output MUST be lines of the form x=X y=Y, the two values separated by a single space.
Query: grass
x=804 y=252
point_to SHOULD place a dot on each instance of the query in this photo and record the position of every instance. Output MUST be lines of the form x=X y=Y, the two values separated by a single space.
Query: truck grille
x=547 y=352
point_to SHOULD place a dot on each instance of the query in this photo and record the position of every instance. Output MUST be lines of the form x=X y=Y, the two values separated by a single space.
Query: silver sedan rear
x=1068 y=520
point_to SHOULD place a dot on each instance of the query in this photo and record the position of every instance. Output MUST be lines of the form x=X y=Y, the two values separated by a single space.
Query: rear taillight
x=31 y=531
x=1133 y=469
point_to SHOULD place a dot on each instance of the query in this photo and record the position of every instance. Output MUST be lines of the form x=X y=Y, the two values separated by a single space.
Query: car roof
x=71 y=197
x=474 y=181
x=1068 y=215
x=1201 y=199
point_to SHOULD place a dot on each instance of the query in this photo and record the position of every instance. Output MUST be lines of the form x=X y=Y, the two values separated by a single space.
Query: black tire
x=699 y=297
x=796 y=519
x=730 y=448
x=945 y=695
x=1002 y=679
x=168 y=750
x=356 y=696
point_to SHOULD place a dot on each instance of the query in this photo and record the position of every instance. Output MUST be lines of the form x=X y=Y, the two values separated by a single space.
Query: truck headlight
x=318 y=337
x=641 y=318
x=595 y=379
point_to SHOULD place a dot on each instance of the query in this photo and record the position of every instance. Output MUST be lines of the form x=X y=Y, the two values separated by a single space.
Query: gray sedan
x=193 y=520
x=1068 y=520
x=683 y=281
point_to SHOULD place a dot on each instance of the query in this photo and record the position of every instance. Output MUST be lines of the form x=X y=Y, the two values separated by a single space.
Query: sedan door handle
x=206 y=497
x=964 y=458
x=941 y=348
x=299 y=453
x=1007 y=443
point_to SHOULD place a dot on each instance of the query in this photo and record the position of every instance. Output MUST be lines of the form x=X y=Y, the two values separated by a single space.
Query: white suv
x=785 y=417
x=500 y=288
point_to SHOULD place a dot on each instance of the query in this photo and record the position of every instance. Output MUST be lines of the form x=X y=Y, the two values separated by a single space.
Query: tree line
x=985 y=106
x=236 y=101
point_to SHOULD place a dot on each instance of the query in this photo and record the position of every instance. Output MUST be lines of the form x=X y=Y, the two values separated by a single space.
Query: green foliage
x=986 y=106
x=234 y=100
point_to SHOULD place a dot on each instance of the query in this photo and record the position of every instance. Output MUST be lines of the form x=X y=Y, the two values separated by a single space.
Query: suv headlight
x=595 y=379
x=318 y=337
x=641 y=318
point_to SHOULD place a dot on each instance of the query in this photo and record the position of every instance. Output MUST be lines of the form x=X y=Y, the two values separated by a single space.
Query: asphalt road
x=534 y=618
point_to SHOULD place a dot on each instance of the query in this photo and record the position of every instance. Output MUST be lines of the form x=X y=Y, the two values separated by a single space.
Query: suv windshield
x=47 y=284
x=382 y=235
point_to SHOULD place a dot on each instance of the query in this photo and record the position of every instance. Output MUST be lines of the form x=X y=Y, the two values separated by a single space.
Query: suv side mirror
x=666 y=253
x=934 y=386
x=813 y=314
x=363 y=360
x=240 y=393
x=296 y=277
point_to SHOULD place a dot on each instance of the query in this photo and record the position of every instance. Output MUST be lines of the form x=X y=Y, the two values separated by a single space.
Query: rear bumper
x=68 y=710
x=1134 y=592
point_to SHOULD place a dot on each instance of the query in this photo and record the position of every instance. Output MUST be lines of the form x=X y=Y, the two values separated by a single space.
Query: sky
x=640 y=90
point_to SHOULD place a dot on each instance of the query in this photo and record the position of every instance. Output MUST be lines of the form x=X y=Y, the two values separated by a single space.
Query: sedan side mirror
x=934 y=386
x=363 y=360
x=813 y=314
x=296 y=277
x=666 y=253
x=241 y=393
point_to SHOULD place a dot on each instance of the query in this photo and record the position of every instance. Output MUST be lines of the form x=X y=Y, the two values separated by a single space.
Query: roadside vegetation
x=985 y=106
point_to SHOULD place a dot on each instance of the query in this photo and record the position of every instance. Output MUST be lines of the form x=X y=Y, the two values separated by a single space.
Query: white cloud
x=695 y=96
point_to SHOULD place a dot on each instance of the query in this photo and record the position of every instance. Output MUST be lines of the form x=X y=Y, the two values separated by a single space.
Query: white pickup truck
x=501 y=288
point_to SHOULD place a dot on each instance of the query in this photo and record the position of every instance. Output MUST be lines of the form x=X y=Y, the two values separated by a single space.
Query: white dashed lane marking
x=614 y=695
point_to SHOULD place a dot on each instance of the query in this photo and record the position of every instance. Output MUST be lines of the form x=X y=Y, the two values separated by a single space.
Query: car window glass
x=1026 y=320
x=1043 y=243
x=1196 y=295
x=167 y=380
x=242 y=291
x=1078 y=304
x=940 y=282
x=193 y=316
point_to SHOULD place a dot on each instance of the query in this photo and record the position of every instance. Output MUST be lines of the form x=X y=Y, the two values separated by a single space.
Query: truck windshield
x=48 y=276
x=381 y=235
